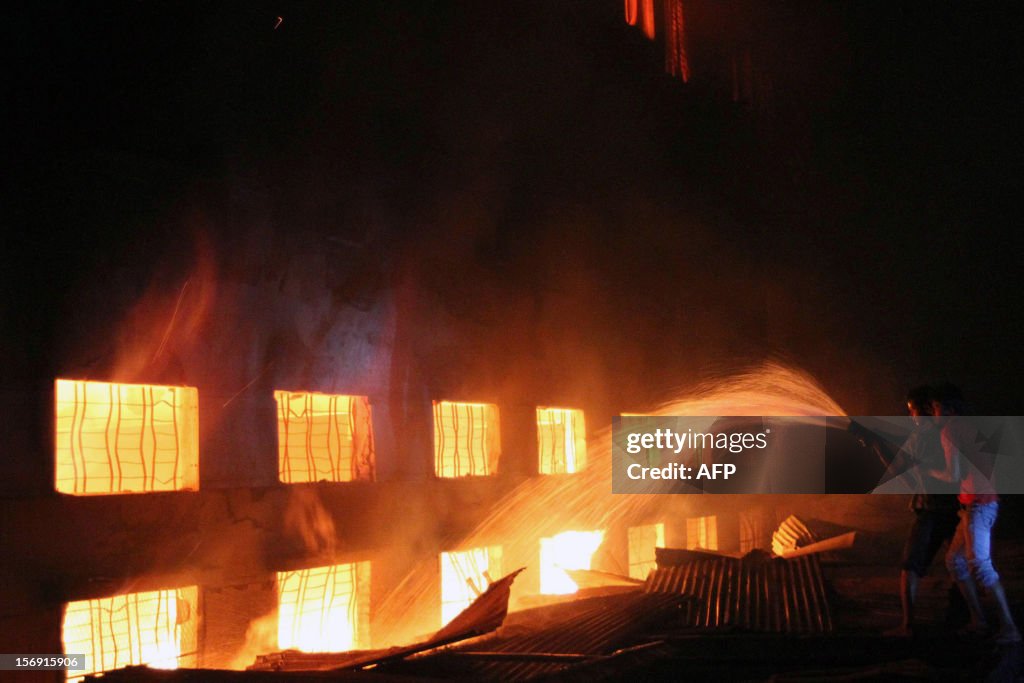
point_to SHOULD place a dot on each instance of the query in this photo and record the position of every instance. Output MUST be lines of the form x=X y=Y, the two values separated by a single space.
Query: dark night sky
x=881 y=191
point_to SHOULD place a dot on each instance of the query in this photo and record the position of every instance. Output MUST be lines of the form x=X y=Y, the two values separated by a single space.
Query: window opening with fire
x=155 y=628
x=642 y=542
x=567 y=550
x=465 y=575
x=125 y=438
x=467 y=441
x=702 y=533
x=324 y=609
x=755 y=530
x=324 y=437
x=561 y=440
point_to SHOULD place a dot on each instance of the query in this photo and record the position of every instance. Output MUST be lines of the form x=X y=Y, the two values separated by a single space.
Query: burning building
x=314 y=370
x=333 y=557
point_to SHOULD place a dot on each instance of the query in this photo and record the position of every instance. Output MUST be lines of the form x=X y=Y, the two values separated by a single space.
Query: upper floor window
x=324 y=437
x=561 y=440
x=467 y=441
x=125 y=438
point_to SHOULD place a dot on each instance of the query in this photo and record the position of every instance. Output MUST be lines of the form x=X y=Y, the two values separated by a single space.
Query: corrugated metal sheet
x=790 y=535
x=756 y=592
x=587 y=632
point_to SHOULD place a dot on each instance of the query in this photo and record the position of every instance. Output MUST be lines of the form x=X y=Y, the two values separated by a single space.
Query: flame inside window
x=156 y=628
x=755 y=532
x=561 y=440
x=323 y=437
x=702 y=533
x=125 y=438
x=324 y=609
x=466 y=439
x=642 y=542
x=567 y=550
x=464 y=576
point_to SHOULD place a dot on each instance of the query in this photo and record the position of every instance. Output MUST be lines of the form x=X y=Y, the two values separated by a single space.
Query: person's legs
x=918 y=552
x=978 y=551
x=908 y=596
x=1008 y=632
x=946 y=521
x=959 y=569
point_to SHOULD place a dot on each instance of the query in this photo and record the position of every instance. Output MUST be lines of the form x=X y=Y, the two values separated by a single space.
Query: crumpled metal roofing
x=790 y=535
x=575 y=633
x=483 y=615
x=755 y=592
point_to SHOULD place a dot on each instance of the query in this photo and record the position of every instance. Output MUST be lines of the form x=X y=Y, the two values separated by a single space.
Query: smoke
x=260 y=638
x=307 y=521
x=545 y=506
x=309 y=531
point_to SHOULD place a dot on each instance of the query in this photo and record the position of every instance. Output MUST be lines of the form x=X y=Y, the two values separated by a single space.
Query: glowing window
x=642 y=542
x=323 y=437
x=567 y=550
x=464 y=576
x=561 y=440
x=466 y=439
x=125 y=438
x=754 y=532
x=324 y=609
x=156 y=628
x=702 y=533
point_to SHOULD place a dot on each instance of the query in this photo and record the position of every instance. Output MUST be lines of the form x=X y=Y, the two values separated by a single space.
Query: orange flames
x=631 y=12
x=642 y=542
x=702 y=533
x=323 y=437
x=467 y=441
x=543 y=507
x=125 y=438
x=647 y=18
x=561 y=440
x=567 y=550
x=155 y=628
x=464 y=576
x=676 y=61
x=324 y=609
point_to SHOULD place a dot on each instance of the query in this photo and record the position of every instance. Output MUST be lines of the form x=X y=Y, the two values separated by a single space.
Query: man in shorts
x=934 y=503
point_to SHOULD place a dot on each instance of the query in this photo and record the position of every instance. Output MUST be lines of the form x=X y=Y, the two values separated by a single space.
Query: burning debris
x=793 y=538
x=689 y=590
x=791 y=534
x=621 y=625
x=754 y=593
x=484 y=615
x=606 y=621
